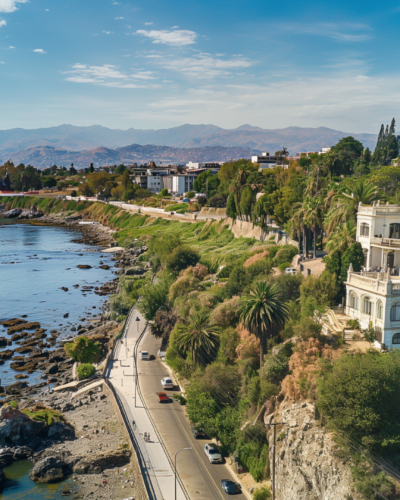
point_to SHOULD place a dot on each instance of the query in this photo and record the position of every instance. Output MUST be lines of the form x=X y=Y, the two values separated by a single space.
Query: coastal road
x=201 y=479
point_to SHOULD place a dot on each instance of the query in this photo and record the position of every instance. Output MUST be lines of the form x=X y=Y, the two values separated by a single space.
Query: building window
x=365 y=252
x=396 y=338
x=395 y=312
x=364 y=230
x=354 y=301
x=368 y=306
x=379 y=310
x=394 y=231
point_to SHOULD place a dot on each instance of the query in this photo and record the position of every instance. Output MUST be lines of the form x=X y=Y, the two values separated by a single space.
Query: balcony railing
x=375 y=282
x=379 y=210
x=386 y=242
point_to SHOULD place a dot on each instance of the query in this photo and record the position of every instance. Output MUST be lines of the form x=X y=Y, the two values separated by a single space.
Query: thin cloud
x=3 y=23
x=148 y=24
x=170 y=37
x=204 y=66
x=39 y=51
x=118 y=18
x=10 y=5
x=341 y=32
x=107 y=75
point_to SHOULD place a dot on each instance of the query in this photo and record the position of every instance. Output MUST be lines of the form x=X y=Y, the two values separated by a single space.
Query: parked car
x=144 y=355
x=213 y=453
x=162 y=397
x=167 y=383
x=230 y=487
x=198 y=434
x=291 y=270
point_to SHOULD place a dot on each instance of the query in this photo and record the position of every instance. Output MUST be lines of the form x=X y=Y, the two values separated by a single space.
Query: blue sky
x=158 y=64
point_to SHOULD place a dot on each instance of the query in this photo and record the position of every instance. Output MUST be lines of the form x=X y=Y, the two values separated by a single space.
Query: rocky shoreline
x=86 y=440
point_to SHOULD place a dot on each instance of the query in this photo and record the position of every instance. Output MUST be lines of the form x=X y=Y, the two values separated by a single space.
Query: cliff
x=309 y=465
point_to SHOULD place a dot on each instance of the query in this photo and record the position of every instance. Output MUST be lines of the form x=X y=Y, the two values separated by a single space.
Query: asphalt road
x=201 y=479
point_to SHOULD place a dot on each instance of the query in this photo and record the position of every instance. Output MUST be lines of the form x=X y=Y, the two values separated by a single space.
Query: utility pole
x=273 y=457
x=182 y=449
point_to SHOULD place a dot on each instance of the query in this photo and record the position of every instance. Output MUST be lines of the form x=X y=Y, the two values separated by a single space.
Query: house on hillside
x=373 y=295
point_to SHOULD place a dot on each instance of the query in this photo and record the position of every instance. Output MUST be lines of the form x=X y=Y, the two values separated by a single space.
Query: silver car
x=213 y=453
x=167 y=383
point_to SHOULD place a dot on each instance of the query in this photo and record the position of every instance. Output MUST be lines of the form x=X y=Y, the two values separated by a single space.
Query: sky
x=159 y=64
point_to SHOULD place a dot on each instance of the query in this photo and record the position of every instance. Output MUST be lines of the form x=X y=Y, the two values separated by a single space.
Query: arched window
x=396 y=338
x=379 y=310
x=353 y=301
x=367 y=306
x=364 y=230
x=394 y=230
x=395 y=312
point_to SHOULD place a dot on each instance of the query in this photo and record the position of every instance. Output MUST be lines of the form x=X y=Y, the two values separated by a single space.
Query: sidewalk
x=122 y=376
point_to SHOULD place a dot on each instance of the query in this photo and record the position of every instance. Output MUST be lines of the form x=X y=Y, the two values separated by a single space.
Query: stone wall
x=309 y=465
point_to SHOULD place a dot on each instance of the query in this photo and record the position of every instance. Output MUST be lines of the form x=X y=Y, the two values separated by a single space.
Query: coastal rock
x=6 y=459
x=97 y=464
x=84 y=266
x=16 y=388
x=24 y=326
x=4 y=342
x=18 y=428
x=104 y=267
x=48 y=470
x=12 y=322
x=61 y=432
x=11 y=214
x=21 y=453
x=6 y=354
x=30 y=214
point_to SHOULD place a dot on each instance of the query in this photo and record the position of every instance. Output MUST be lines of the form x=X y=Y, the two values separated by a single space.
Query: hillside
x=71 y=138
x=46 y=156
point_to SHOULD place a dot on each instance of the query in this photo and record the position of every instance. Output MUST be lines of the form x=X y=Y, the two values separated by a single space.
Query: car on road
x=197 y=434
x=162 y=397
x=230 y=487
x=167 y=383
x=213 y=453
x=144 y=355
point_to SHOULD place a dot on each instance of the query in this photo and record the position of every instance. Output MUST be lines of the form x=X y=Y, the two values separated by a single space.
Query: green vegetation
x=262 y=494
x=84 y=350
x=43 y=414
x=86 y=370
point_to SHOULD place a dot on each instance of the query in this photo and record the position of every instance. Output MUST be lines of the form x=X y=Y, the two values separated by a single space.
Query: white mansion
x=373 y=295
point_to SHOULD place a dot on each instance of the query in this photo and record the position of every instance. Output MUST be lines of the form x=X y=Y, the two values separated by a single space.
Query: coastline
x=104 y=330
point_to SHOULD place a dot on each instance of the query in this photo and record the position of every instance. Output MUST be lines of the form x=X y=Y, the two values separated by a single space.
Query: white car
x=144 y=355
x=213 y=453
x=167 y=383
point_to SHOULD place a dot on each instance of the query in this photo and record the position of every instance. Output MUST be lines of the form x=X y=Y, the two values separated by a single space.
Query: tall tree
x=200 y=337
x=263 y=313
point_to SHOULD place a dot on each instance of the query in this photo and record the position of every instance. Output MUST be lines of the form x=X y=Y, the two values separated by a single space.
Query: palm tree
x=200 y=337
x=342 y=238
x=263 y=313
x=345 y=205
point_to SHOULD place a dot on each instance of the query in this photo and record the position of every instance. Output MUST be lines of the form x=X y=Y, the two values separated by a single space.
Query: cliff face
x=309 y=465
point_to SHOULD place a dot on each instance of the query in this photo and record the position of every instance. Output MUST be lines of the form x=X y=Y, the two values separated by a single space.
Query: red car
x=162 y=397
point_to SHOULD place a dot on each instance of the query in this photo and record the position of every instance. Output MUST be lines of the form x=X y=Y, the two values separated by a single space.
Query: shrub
x=164 y=192
x=181 y=258
x=274 y=369
x=262 y=494
x=283 y=266
x=84 y=350
x=85 y=370
x=286 y=254
x=43 y=414
x=353 y=323
x=13 y=404
x=73 y=193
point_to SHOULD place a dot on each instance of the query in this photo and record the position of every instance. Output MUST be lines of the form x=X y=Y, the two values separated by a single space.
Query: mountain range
x=66 y=144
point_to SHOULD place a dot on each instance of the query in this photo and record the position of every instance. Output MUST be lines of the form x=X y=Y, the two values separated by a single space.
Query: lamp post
x=273 y=459
x=182 y=449
x=135 y=358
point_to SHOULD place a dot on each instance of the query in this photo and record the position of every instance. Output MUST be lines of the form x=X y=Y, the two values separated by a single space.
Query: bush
x=262 y=494
x=85 y=370
x=84 y=350
x=353 y=323
x=274 y=369
x=181 y=258
x=42 y=414
x=286 y=254
x=283 y=266
x=74 y=193
x=164 y=192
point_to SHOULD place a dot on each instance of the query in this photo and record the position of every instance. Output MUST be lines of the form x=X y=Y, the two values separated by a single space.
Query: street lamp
x=134 y=357
x=182 y=449
x=137 y=322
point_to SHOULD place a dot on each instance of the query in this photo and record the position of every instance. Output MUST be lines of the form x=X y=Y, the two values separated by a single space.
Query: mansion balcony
x=381 y=283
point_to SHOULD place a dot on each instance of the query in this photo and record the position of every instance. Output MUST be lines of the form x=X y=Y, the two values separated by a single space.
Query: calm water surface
x=35 y=262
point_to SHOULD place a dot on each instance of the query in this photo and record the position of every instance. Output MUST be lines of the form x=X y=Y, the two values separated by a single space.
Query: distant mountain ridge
x=72 y=138
x=46 y=156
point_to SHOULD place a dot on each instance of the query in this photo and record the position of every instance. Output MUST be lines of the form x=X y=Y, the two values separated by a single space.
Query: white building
x=179 y=183
x=267 y=161
x=208 y=165
x=373 y=295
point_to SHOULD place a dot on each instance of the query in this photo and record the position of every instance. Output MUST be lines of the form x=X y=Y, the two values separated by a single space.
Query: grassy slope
x=213 y=240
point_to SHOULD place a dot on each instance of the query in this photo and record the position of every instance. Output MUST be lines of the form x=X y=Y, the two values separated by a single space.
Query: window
x=379 y=310
x=365 y=252
x=354 y=301
x=368 y=307
x=394 y=231
x=364 y=230
x=395 y=312
x=396 y=338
